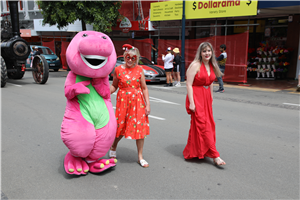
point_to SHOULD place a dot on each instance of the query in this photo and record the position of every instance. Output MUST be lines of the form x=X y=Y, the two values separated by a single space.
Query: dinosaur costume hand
x=72 y=91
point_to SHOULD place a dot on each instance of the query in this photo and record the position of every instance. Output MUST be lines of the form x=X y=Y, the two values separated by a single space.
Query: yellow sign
x=241 y=29
x=168 y=10
x=172 y=10
x=220 y=8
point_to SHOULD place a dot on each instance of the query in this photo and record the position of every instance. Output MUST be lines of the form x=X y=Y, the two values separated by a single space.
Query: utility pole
x=182 y=70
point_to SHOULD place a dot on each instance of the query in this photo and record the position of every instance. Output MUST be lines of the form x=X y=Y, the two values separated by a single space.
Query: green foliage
x=103 y=15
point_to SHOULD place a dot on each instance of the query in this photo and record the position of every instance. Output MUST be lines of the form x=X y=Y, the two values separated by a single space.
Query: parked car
x=153 y=73
x=52 y=59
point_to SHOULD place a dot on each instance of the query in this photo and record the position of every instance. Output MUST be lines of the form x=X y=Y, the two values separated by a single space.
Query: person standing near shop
x=199 y=84
x=222 y=61
x=133 y=105
x=176 y=68
x=168 y=65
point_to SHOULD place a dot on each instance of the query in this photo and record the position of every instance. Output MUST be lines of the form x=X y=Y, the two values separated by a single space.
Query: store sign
x=169 y=10
x=241 y=29
x=125 y=23
x=25 y=32
x=172 y=10
x=217 y=8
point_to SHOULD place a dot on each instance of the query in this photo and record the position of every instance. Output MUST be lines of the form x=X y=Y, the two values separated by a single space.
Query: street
x=257 y=136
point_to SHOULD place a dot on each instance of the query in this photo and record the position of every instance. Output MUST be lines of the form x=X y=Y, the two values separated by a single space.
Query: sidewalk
x=270 y=85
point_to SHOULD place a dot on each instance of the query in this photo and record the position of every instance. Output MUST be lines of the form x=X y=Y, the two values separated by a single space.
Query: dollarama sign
x=170 y=10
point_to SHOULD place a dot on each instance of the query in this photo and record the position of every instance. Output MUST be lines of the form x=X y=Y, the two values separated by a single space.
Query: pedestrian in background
x=168 y=65
x=176 y=68
x=222 y=61
x=199 y=84
x=131 y=110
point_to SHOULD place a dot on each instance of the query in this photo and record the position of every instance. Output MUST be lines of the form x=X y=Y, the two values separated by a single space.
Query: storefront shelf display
x=268 y=62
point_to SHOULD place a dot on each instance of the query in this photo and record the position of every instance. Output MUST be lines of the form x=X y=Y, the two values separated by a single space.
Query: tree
x=103 y=15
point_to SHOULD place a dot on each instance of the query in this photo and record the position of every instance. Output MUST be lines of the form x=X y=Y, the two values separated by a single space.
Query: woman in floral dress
x=133 y=106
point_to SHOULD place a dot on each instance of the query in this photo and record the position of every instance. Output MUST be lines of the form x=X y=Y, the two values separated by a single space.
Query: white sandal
x=112 y=154
x=218 y=161
x=143 y=163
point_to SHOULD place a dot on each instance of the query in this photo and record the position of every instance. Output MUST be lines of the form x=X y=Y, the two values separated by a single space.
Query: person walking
x=133 y=105
x=222 y=61
x=176 y=68
x=168 y=65
x=199 y=84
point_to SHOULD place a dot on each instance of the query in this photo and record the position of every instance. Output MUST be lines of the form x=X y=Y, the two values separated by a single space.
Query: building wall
x=293 y=42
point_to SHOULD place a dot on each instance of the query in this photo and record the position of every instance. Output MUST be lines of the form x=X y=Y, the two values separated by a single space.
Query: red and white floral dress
x=132 y=121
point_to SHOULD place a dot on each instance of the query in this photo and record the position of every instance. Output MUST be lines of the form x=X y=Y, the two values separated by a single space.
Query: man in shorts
x=168 y=65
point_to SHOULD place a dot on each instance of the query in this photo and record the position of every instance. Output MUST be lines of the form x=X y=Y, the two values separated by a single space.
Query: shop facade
x=273 y=42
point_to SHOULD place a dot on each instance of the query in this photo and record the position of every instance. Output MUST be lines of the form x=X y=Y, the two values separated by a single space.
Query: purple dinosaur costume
x=89 y=125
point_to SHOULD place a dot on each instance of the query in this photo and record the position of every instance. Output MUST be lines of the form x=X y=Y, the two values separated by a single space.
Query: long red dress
x=202 y=136
x=132 y=121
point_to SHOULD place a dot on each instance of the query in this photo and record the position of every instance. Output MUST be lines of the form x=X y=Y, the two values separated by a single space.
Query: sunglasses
x=133 y=58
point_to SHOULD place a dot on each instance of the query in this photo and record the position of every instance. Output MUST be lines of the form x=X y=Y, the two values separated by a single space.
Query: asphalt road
x=257 y=135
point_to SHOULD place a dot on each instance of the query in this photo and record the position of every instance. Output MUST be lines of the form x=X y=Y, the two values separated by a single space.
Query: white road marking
x=162 y=101
x=159 y=118
x=291 y=104
x=15 y=85
x=151 y=116
x=153 y=99
x=167 y=88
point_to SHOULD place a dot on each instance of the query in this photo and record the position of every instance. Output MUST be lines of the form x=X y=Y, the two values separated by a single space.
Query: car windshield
x=45 y=51
x=121 y=59
x=144 y=61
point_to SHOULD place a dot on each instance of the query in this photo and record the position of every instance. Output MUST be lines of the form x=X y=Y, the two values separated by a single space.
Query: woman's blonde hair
x=133 y=51
x=213 y=60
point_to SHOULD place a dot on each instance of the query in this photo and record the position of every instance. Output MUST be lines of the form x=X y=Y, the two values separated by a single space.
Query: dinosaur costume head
x=91 y=54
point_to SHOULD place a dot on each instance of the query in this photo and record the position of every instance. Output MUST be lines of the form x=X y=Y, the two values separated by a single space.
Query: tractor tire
x=41 y=69
x=3 y=72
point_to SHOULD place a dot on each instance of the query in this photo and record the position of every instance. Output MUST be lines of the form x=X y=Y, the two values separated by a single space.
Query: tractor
x=15 y=51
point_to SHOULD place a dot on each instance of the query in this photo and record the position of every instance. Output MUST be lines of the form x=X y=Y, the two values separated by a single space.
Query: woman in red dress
x=131 y=110
x=200 y=76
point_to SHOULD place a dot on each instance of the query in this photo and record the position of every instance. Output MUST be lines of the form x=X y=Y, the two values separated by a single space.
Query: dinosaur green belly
x=92 y=106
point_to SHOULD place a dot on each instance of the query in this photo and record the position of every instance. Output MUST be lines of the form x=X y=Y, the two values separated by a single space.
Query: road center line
x=291 y=104
x=151 y=116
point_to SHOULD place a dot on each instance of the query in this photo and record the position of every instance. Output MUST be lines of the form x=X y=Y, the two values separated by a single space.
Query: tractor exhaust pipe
x=14 y=14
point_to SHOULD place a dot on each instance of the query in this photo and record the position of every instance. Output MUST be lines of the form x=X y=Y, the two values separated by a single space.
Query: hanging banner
x=172 y=10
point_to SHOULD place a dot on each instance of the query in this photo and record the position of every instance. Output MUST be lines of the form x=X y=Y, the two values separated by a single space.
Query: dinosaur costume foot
x=102 y=165
x=74 y=165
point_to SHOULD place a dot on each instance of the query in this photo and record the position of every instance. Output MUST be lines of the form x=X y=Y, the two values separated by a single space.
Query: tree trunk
x=83 y=25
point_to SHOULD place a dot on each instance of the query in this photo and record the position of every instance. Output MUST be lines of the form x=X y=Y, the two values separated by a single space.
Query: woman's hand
x=192 y=107
x=147 y=110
